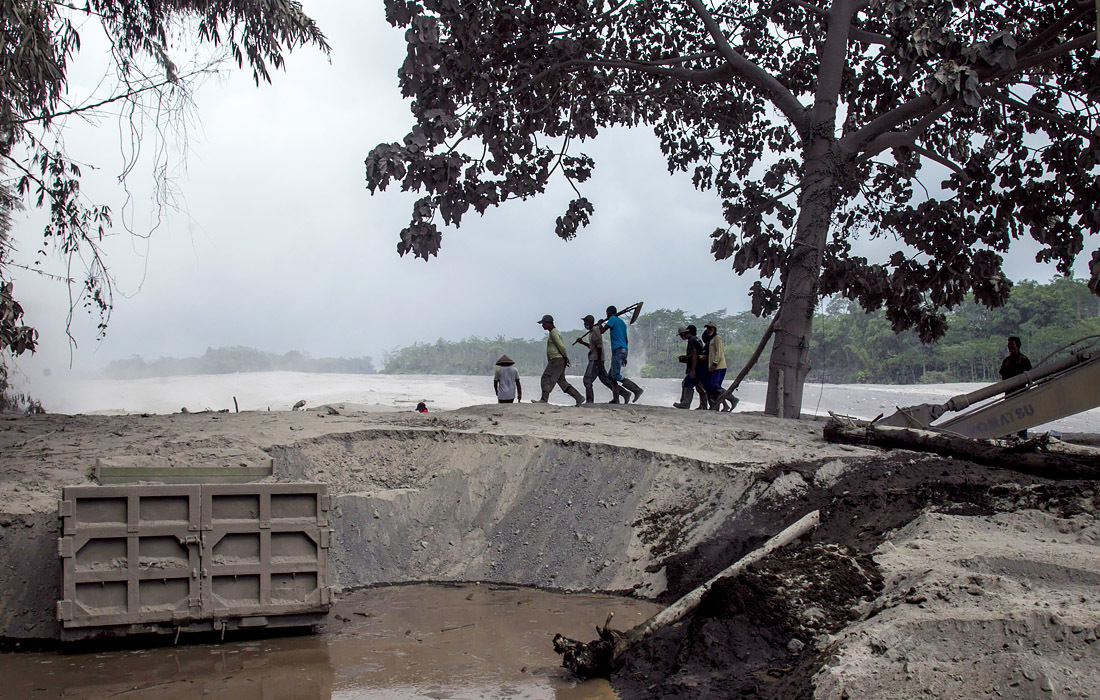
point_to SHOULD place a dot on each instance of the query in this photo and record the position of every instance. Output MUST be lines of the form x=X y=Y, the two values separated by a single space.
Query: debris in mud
x=598 y=658
x=769 y=632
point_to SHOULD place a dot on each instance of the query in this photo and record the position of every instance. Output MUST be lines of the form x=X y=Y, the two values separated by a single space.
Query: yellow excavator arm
x=1046 y=393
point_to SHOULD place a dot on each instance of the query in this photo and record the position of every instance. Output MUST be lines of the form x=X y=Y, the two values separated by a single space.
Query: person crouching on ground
x=595 y=368
x=691 y=358
x=715 y=350
x=506 y=381
x=616 y=328
x=557 y=359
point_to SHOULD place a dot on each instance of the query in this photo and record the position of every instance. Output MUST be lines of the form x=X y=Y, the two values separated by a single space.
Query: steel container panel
x=164 y=557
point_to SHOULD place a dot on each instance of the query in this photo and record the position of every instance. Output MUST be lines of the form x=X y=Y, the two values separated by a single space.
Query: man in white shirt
x=506 y=381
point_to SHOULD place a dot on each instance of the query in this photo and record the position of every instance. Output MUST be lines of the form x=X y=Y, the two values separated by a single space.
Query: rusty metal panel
x=181 y=554
x=129 y=554
x=268 y=549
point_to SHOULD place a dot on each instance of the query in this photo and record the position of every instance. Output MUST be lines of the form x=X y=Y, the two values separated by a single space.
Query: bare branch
x=124 y=96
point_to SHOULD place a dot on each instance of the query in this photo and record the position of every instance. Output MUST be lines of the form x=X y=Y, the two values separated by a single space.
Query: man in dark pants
x=616 y=329
x=692 y=358
x=595 y=369
x=1015 y=364
x=557 y=359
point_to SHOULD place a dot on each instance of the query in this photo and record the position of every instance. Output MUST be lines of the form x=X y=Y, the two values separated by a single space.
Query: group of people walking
x=704 y=360
x=506 y=381
x=705 y=369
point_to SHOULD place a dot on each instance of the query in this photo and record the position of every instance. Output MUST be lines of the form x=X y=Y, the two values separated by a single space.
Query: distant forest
x=849 y=345
x=237 y=359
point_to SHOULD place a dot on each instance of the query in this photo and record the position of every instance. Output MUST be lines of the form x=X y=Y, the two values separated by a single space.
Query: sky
x=275 y=242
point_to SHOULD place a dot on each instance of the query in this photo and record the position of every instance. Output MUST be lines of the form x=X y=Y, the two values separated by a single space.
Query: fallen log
x=1041 y=455
x=598 y=658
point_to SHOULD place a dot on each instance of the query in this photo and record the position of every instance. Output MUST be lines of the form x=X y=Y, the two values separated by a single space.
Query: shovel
x=635 y=310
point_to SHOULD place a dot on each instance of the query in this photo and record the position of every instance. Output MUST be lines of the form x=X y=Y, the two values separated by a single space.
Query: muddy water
x=420 y=641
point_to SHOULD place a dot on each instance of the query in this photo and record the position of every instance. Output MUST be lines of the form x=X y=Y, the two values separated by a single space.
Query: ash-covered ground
x=926 y=576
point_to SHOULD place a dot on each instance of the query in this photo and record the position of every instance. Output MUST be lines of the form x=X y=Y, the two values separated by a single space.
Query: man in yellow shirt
x=715 y=351
x=557 y=359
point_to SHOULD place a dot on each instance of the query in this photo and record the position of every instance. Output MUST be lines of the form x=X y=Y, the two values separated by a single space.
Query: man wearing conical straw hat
x=506 y=381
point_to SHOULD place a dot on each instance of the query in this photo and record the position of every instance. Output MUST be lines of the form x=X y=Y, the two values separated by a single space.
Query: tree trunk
x=790 y=358
x=1038 y=455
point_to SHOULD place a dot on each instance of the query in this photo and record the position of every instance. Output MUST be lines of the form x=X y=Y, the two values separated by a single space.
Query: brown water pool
x=416 y=641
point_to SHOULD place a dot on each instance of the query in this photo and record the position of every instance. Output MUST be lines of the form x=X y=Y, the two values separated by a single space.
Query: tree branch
x=1009 y=101
x=900 y=139
x=681 y=59
x=833 y=61
x=819 y=11
x=775 y=91
x=869 y=138
x=126 y=95
x=860 y=35
x=710 y=75
x=1039 y=59
x=1052 y=31
x=942 y=160
x=883 y=124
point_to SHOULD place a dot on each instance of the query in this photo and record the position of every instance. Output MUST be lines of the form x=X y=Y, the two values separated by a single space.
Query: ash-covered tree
x=947 y=128
x=143 y=88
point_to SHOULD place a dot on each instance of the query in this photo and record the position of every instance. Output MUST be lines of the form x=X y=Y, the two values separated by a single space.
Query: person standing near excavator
x=557 y=359
x=616 y=328
x=1015 y=364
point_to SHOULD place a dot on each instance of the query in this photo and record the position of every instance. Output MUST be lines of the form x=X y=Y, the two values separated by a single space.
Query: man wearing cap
x=557 y=359
x=690 y=357
x=616 y=328
x=595 y=368
x=506 y=381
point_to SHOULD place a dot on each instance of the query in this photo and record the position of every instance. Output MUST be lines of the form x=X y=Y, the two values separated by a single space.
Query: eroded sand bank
x=652 y=501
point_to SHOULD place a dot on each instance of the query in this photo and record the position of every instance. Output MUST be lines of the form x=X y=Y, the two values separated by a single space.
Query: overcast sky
x=279 y=246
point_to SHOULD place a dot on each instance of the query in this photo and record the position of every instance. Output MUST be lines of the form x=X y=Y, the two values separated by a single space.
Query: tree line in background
x=847 y=345
x=237 y=359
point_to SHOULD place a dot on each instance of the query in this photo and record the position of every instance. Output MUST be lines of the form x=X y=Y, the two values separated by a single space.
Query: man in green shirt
x=557 y=359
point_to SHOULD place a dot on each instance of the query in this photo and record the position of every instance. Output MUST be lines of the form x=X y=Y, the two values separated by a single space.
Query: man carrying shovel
x=557 y=359
x=595 y=368
x=617 y=330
